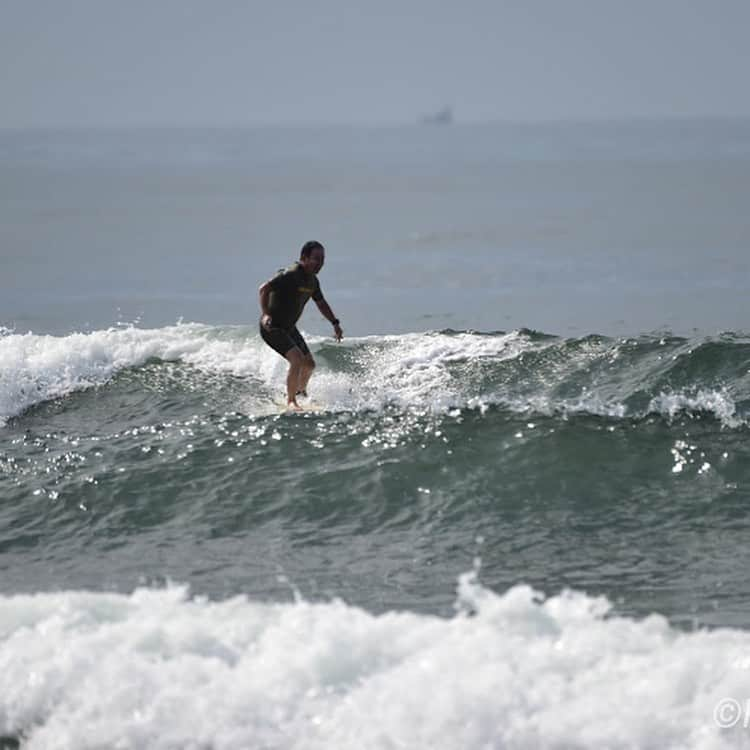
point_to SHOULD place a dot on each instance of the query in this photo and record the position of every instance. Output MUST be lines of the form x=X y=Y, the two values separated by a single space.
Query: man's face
x=314 y=262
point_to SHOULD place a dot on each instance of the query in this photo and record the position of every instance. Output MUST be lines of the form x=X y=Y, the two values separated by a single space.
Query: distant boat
x=441 y=117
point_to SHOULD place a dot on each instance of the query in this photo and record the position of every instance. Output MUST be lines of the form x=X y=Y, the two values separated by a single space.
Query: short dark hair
x=309 y=246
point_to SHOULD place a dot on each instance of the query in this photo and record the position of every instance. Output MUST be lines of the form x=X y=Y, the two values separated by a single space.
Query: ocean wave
x=718 y=403
x=34 y=368
x=669 y=406
x=524 y=372
x=159 y=669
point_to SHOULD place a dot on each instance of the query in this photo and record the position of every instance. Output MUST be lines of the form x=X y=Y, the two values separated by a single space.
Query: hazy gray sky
x=94 y=62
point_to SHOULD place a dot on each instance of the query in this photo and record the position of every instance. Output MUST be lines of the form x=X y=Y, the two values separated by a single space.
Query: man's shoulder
x=291 y=270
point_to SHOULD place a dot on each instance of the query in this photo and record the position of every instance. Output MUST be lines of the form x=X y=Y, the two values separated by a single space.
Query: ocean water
x=522 y=518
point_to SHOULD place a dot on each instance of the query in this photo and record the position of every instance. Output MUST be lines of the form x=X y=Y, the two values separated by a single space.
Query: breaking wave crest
x=160 y=669
x=523 y=371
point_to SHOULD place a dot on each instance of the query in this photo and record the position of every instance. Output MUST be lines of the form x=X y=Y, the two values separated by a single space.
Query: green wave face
x=618 y=466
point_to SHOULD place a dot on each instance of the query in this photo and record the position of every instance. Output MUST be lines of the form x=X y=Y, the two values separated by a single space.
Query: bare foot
x=293 y=406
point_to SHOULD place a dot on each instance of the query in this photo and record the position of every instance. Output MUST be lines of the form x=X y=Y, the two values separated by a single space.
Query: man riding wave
x=282 y=300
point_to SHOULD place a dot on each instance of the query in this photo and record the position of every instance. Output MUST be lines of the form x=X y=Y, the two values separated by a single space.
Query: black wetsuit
x=289 y=291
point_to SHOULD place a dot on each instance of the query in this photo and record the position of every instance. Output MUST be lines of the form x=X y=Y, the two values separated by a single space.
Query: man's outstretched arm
x=327 y=313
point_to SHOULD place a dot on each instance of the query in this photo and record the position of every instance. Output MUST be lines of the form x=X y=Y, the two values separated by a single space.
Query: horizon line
x=294 y=124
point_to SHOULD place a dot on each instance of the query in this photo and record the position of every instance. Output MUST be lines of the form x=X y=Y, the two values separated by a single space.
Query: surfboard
x=306 y=407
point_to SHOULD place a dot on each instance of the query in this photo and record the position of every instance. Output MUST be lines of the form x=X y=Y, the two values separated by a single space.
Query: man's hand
x=338 y=334
x=265 y=321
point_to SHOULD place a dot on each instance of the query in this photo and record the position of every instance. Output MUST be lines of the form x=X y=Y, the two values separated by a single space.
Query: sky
x=231 y=62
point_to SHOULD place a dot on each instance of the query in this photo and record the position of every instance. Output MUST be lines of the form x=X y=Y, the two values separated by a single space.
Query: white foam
x=717 y=402
x=156 y=669
x=588 y=404
x=411 y=370
x=37 y=368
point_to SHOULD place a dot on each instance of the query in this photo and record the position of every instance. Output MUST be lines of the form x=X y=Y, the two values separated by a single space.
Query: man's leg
x=308 y=363
x=308 y=366
x=295 y=374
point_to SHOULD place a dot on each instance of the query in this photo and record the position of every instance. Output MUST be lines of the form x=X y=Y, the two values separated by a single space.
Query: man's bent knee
x=296 y=358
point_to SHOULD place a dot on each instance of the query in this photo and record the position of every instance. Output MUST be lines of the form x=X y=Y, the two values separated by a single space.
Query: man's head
x=312 y=256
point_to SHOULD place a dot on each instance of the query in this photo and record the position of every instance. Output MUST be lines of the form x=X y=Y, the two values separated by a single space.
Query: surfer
x=282 y=300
